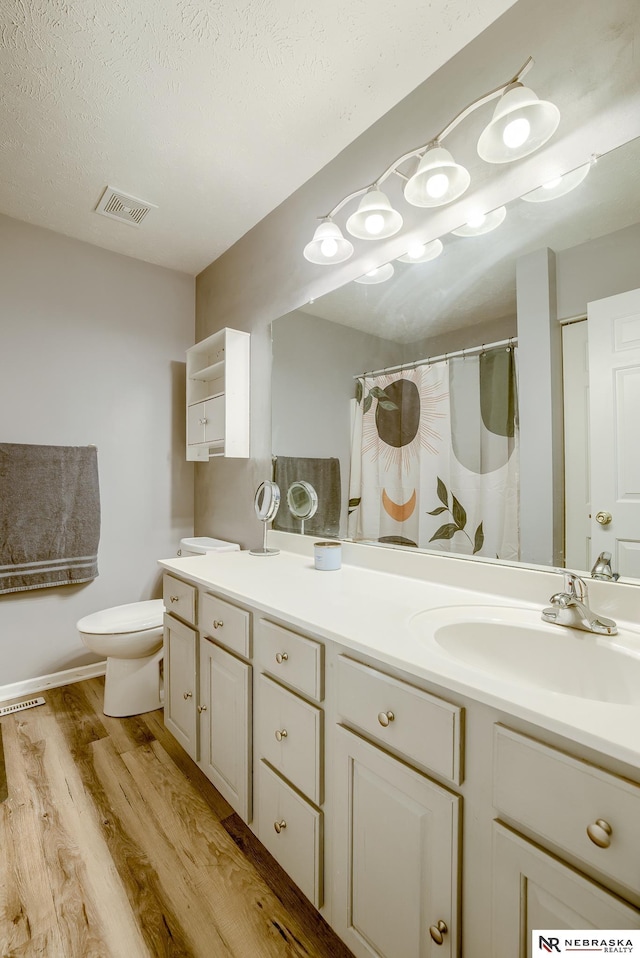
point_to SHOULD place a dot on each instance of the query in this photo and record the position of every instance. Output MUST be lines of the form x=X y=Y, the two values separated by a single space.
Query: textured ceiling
x=214 y=112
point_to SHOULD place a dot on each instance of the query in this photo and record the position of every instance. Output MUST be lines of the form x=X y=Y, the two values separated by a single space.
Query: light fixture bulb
x=516 y=133
x=437 y=185
x=380 y=274
x=560 y=186
x=422 y=252
x=437 y=180
x=328 y=245
x=521 y=124
x=375 y=218
x=374 y=224
x=483 y=223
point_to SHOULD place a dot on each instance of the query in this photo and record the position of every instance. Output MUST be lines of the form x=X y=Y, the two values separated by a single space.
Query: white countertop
x=369 y=611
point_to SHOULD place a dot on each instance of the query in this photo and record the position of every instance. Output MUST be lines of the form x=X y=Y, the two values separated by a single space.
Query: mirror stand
x=266 y=503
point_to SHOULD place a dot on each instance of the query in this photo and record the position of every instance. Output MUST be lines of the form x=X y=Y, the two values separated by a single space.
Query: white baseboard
x=53 y=681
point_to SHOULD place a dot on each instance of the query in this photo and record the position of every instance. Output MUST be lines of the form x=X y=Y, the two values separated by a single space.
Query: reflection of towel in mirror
x=324 y=476
x=49 y=516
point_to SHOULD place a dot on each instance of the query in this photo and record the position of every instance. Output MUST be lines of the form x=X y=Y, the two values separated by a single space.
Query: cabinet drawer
x=292 y=659
x=297 y=841
x=226 y=623
x=179 y=598
x=417 y=725
x=560 y=799
x=290 y=737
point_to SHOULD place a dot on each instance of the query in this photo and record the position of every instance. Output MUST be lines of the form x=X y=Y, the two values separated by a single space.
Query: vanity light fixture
x=558 y=187
x=378 y=275
x=422 y=252
x=484 y=223
x=521 y=124
x=375 y=218
x=328 y=245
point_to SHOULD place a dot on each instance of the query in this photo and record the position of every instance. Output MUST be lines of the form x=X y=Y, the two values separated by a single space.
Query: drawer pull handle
x=218 y=623
x=600 y=833
x=279 y=826
x=282 y=657
x=438 y=931
x=385 y=718
x=280 y=734
x=188 y=695
x=174 y=598
x=202 y=708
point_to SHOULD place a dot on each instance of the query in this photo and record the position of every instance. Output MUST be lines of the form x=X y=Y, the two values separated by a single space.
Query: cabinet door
x=396 y=855
x=195 y=423
x=214 y=420
x=180 y=683
x=225 y=725
x=534 y=891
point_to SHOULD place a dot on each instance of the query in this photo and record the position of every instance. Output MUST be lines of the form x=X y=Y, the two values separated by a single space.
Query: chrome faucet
x=571 y=609
x=602 y=568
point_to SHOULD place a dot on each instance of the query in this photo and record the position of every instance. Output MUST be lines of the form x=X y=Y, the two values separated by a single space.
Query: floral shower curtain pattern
x=434 y=457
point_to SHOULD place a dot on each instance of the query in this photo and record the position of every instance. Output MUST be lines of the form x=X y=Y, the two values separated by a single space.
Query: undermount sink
x=515 y=645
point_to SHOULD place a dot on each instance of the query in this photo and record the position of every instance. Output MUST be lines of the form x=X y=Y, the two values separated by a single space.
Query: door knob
x=218 y=623
x=385 y=718
x=279 y=826
x=600 y=833
x=202 y=708
x=280 y=734
x=281 y=657
x=438 y=931
x=604 y=518
x=188 y=695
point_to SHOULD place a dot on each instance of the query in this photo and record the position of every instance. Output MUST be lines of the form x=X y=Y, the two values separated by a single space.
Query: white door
x=577 y=493
x=534 y=891
x=225 y=722
x=396 y=856
x=180 y=688
x=614 y=413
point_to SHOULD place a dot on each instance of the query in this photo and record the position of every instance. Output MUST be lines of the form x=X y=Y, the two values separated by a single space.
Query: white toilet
x=130 y=638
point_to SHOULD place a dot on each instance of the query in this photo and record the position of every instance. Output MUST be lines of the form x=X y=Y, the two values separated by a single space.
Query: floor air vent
x=120 y=206
x=20 y=706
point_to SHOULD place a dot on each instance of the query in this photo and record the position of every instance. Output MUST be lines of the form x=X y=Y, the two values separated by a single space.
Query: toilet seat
x=134 y=617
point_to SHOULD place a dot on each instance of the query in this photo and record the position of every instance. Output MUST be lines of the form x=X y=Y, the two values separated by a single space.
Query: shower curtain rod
x=471 y=351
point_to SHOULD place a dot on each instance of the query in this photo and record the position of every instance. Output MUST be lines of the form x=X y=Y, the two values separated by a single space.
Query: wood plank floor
x=114 y=845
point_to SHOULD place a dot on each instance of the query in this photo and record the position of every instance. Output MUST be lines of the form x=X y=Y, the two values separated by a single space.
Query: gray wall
x=596 y=269
x=92 y=351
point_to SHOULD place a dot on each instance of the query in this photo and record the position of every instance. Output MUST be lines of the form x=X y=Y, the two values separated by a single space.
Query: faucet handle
x=575 y=586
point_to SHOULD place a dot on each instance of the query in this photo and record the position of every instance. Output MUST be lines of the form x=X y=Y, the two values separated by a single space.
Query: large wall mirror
x=460 y=453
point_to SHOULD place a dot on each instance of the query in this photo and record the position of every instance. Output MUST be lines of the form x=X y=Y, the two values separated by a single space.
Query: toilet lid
x=134 y=617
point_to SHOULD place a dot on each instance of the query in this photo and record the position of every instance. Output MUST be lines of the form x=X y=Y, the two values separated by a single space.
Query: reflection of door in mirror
x=602 y=360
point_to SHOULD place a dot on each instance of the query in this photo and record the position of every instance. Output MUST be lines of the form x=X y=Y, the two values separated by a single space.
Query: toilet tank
x=201 y=545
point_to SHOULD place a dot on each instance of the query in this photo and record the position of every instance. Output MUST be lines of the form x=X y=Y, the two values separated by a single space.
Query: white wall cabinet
x=396 y=840
x=218 y=389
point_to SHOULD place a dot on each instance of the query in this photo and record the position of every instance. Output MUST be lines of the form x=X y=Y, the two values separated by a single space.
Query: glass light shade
x=521 y=124
x=328 y=245
x=560 y=186
x=375 y=218
x=422 y=252
x=438 y=180
x=379 y=275
x=482 y=224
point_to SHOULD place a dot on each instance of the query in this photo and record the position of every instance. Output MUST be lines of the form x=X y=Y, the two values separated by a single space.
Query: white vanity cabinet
x=218 y=375
x=578 y=857
x=289 y=753
x=180 y=663
x=396 y=832
x=208 y=688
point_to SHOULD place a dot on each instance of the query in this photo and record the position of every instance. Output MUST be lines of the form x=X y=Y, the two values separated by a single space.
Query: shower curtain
x=434 y=456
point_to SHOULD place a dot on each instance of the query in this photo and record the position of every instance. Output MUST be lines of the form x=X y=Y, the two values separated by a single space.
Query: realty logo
x=548 y=944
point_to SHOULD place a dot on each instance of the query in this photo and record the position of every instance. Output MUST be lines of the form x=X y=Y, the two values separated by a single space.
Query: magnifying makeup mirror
x=266 y=503
x=302 y=500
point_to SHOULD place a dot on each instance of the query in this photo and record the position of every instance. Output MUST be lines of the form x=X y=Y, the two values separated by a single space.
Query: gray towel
x=324 y=476
x=49 y=516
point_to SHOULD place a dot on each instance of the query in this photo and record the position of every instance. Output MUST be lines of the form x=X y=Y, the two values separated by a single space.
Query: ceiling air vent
x=120 y=206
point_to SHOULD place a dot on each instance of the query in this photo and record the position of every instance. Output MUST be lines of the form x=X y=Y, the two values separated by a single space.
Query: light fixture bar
x=434 y=141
